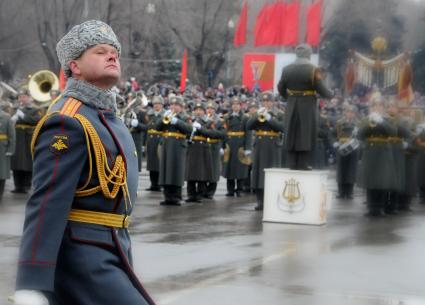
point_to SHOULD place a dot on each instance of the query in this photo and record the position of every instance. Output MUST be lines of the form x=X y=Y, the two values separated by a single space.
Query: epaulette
x=71 y=107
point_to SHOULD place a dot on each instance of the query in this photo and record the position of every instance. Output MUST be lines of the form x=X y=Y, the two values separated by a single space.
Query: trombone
x=262 y=113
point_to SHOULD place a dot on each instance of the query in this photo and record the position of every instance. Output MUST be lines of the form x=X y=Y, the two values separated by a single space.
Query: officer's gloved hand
x=15 y=117
x=134 y=123
x=196 y=125
x=8 y=154
x=405 y=144
x=235 y=114
x=174 y=121
x=355 y=132
x=247 y=152
x=268 y=116
x=29 y=297
x=376 y=118
x=20 y=114
x=221 y=152
x=420 y=128
x=336 y=145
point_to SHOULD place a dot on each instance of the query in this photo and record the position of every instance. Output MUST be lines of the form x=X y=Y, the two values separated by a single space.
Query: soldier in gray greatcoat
x=299 y=84
x=26 y=118
x=237 y=137
x=176 y=127
x=153 y=139
x=199 y=164
x=346 y=165
x=377 y=158
x=420 y=171
x=216 y=142
x=7 y=147
x=268 y=125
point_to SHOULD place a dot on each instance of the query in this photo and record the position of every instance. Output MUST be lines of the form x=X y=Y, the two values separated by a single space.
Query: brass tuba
x=262 y=113
x=40 y=85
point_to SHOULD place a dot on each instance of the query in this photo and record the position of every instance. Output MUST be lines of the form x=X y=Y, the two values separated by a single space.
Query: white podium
x=292 y=196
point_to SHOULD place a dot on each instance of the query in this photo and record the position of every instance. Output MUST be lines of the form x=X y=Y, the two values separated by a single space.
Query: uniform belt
x=302 y=92
x=24 y=126
x=199 y=138
x=100 y=218
x=267 y=133
x=3 y=137
x=377 y=140
x=344 y=139
x=213 y=141
x=154 y=132
x=174 y=135
x=394 y=139
x=235 y=133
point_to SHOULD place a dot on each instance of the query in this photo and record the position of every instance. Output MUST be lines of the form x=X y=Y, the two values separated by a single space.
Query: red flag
x=240 y=33
x=274 y=30
x=280 y=7
x=260 y=26
x=184 y=72
x=292 y=21
x=62 y=80
x=314 y=19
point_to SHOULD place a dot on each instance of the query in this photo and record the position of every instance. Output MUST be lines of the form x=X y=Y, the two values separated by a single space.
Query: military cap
x=267 y=96
x=252 y=104
x=303 y=50
x=23 y=91
x=212 y=104
x=199 y=105
x=177 y=100
x=81 y=37
x=157 y=99
x=234 y=100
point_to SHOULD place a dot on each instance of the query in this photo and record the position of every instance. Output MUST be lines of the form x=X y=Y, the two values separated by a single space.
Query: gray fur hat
x=81 y=37
x=303 y=51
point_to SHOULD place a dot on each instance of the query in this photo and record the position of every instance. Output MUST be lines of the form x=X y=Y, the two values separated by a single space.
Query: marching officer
x=252 y=110
x=26 y=118
x=238 y=137
x=420 y=144
x=299 y=84
x=268 y=125
x=76 y=247
x=175 y=127
x=153 y=139
x=7 y=146
x=377 y=158
x=215 y=140
x=346 y=163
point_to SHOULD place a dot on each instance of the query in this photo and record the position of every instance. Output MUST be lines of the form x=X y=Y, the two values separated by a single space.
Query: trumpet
x=168 y=116
x=262 y=113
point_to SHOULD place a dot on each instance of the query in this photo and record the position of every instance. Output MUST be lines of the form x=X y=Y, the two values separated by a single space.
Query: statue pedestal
x=299 y=197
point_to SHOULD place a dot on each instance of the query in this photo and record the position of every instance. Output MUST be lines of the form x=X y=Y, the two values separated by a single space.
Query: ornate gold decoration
x=59 y=145
x=291 y=191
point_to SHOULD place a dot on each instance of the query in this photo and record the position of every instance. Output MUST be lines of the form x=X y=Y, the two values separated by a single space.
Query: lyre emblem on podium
x=291 y=191
x=291 y=199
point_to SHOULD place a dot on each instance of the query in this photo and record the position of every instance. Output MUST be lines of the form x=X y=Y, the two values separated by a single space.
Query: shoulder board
x=71 y=107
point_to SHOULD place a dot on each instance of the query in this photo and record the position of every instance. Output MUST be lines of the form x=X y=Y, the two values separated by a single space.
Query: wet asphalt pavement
x=220 y=252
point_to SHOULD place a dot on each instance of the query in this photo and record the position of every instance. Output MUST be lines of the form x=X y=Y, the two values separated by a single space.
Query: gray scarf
x=91 y=95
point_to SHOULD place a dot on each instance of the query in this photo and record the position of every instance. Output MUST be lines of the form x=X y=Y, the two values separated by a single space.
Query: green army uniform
x=7 y=147
x=299 y=84
x=21 y=163
x=267 y=148
x=237 y=137
x=173 y=155
x=377 y=163
x=153 y=139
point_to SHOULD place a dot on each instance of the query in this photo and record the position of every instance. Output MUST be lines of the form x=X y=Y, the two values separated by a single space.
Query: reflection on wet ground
x=220 y=252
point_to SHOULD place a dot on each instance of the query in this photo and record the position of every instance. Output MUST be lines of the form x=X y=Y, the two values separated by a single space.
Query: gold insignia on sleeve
x=59 y=144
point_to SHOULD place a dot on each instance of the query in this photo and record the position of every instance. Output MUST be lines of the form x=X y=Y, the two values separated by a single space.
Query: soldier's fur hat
x=81 y=37
x=267 y=96
x=175 y=99
x=157 y=100
x=303 y=51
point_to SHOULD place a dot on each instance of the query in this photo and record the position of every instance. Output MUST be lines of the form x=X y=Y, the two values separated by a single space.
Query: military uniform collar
x=91 y=95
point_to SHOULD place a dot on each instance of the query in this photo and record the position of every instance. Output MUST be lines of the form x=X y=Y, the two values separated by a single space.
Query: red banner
x=240 y=33
x=184 y=72
x=292 y=22
x=261 y=26
x=258 y=71
x=314 y=19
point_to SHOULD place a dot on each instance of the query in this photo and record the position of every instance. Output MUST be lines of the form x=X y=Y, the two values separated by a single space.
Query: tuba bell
x=262 y=112
x=40 y=85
